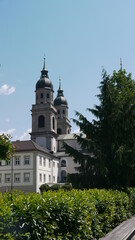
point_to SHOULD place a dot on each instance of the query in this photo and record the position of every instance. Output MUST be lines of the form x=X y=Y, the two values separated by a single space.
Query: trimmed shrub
x=67 y=186
x=44 y=187
x=55 y=187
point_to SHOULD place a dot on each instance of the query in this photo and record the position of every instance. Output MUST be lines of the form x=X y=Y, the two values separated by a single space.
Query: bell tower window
x=59 y=131
x=53 y=122
x=41 y=121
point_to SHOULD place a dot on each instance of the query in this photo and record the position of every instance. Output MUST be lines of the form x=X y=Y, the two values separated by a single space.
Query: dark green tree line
x=107 y=158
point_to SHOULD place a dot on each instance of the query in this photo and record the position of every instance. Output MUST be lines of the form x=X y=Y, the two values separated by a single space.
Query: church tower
x=60 y=103
x=44 y=122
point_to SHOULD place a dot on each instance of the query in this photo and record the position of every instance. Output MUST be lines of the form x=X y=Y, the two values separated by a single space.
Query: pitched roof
x=28 y=145
x=70 y=136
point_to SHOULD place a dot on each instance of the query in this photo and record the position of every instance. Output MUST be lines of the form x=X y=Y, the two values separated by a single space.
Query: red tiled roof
x=28 y=145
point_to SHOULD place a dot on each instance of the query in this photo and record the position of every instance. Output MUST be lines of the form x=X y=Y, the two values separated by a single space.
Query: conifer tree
x=107 y=158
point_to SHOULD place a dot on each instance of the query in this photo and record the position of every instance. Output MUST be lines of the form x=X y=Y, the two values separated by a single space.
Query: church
x=42 y=159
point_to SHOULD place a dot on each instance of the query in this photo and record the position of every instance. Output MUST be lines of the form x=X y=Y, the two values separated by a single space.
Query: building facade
x=49 y=116
x=42 y=159
x=29 y=168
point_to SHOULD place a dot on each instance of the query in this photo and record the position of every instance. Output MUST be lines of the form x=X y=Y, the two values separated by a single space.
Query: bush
x=55 y=187
x=67 y=186
x=44 y=187
x=63 y=215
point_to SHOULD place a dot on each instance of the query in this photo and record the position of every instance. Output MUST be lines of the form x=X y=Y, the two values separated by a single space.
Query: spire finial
x=44 y=63
x=120 y=63
x=59 y=82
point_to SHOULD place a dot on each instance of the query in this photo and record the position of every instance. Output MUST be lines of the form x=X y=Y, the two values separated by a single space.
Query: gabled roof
x=29 y=145
x=70 y=136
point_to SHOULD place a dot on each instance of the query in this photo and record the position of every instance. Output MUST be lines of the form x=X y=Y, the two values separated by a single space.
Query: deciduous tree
x=6 y=148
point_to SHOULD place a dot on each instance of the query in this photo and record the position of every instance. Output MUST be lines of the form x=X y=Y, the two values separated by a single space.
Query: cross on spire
x=59 y=82
x=120 y=63
x=44 y=63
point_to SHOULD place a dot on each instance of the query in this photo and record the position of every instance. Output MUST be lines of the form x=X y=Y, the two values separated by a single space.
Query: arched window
x=53 y=123
x=59 y=131
x=41 y=121
x=63 y=176
x=63 y=163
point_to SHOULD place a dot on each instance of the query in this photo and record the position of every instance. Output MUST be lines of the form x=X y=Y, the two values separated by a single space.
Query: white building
x=30 y=167
x=42 y=159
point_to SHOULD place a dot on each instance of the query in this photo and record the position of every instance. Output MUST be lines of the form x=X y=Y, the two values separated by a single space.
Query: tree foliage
x=110 y=136
x=6 y=148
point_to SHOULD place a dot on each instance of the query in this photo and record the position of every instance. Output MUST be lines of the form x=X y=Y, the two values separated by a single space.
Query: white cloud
x=7 y=120
x=6 y=90
x=9 y=131
x=26 y=135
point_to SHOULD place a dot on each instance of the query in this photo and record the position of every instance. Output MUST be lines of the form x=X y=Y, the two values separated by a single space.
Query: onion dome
x=60 y=99
x=44 y=81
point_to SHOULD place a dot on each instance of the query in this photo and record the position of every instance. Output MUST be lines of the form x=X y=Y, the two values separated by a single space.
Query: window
x=63 y=176
x=53 y=122
x=53 y=164
x=48 y=96
x=44 y=162
x=49 y=163
x=7 y=178
x=17 y=160
x=59 y=131
x=17 y=177
x=41 y=121
x=44 y=178
x=58 y=111
x=63 y=163
x=41 y=96
x=0 y=163
x=53 y=178
x=40 y=161
x=26 y=160
x=40 y=177
x=63 y=111
x=26 y=177
x=9 y=162
x=49 y=178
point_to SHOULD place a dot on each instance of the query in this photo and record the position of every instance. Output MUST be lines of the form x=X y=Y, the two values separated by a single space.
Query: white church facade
x=42 y=159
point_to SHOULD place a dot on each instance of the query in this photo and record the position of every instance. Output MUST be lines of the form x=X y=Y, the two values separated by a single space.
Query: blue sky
x=78 y=38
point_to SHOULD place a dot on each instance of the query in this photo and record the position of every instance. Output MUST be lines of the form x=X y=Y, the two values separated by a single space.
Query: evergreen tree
x=108 y=151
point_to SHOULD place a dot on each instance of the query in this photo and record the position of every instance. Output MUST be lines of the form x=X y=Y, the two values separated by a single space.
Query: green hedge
x=75 y=214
